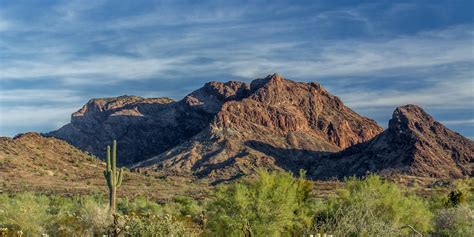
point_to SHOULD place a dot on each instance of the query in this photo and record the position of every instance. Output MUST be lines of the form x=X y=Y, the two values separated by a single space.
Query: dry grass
x=34 y=163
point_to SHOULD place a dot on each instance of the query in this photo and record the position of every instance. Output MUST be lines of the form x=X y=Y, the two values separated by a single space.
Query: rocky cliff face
x=273 y=123
x=145 y=127
x=414 y=144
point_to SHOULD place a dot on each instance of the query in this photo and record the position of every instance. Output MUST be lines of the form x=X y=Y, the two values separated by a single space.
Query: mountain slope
x=31 y=162
x=278 y=123
x=145 y=127
x=414 y=144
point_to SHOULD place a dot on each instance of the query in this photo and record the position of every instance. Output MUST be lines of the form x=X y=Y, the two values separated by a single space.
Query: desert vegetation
x=270 y=204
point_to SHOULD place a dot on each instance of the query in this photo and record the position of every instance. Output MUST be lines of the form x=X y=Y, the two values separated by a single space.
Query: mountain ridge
x=225 y=130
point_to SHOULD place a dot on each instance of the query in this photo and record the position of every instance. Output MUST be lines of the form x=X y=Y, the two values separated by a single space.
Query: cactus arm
x=114 y=163
x=120 y=177
x=108 y=170
x=108 y=159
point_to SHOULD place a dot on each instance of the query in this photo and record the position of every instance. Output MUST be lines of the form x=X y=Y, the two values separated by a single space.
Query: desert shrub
x=463 y=192
x=186 y=206
x=154 y=225
x=455 y=221
x=78 y=217
x=454 y=213
x=139 y=206
x=274 y=204
x=143 y=217
x=372 y=207
x=25 y=212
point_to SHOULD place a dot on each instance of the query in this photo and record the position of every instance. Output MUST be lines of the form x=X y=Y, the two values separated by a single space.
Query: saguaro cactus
x=112 y=176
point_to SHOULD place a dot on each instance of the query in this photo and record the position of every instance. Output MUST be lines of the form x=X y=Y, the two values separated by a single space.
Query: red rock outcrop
x=414 y=144
x=273 y=122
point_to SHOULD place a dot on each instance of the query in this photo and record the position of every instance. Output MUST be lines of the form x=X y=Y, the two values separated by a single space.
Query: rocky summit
x=414 y=144
x=274 y=123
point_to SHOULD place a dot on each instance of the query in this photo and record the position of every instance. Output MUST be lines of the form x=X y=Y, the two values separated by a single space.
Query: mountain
x=220 y=122
x=273 y=122
x=223 y=131
x=414 y=144
x=47 y=165
x=145 y=127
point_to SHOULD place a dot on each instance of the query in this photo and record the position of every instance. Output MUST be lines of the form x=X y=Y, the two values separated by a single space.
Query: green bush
x=165 y=225
x=274 y=204
x=456 y=221
x=140 y=206
x=142 y=217
x=25 y=212
x=186 y=206
x=372 y=207
x=78 y=217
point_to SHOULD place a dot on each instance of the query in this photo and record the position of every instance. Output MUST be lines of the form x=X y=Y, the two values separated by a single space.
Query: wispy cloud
x=459 y=122
x=39 y=96
x=103 y=66
x=442 y=94
x=249 y=60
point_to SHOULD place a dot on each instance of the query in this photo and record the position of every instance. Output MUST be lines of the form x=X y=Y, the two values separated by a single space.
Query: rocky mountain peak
x=278 y=121
x=213 y=94
x=99 y=105
x=230 y=90
x=414 y=144
x=411 y=118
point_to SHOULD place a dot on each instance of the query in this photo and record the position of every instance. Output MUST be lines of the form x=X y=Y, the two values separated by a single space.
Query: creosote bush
x=26 y=212
x=372 y=207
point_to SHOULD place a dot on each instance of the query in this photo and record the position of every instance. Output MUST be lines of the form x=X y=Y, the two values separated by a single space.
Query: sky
x=374 y=55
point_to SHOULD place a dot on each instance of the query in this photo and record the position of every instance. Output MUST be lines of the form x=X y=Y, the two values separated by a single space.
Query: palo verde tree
x=273 y=204
x=112 y=176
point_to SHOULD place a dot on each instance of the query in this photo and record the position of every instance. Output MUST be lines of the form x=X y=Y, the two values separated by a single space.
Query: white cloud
x=72 y=9
x=459 y=122
x=39 y=96
x=117 y=67
x=350 y=58
x=39 y=116
x=442 y=94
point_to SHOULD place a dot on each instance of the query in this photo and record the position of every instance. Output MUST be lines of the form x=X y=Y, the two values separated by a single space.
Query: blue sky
x=375 y=55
